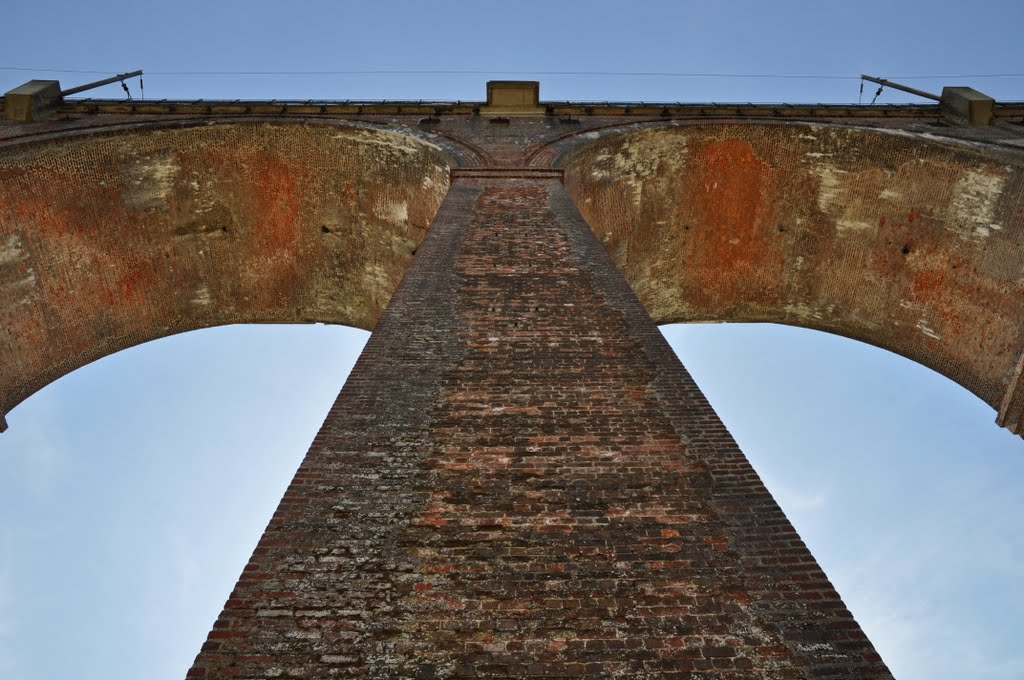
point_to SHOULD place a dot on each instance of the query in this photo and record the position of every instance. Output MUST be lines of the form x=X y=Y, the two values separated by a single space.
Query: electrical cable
x=662 y=74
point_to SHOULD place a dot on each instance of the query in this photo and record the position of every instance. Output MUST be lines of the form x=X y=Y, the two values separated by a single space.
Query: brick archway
x=905 y=241
x=123 y=234
x=127 y=234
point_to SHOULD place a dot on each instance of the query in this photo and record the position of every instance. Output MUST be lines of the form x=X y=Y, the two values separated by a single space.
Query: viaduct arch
x=906 y=241
x=519 y=478
x=124 y=233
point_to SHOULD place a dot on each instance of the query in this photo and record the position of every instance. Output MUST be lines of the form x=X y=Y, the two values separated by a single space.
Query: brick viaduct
x=519 y=478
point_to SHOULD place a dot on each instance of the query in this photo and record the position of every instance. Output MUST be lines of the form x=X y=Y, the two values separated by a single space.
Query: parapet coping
x=565 y=110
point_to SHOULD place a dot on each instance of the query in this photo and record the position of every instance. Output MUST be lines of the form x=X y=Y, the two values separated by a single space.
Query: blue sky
x=133 y=490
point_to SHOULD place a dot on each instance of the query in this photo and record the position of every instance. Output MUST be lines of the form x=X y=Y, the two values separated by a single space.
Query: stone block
x=513 y=97
x=35 y=100
x=967 y=106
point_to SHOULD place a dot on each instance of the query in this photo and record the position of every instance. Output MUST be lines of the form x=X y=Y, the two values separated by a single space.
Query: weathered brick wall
x=117 y=228
x=520 y=479
x=893 y=239
x=109 y=240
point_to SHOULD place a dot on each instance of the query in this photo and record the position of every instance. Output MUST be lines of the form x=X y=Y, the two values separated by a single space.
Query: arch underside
x=901 y=240
x=904 y=241
x=113 y=239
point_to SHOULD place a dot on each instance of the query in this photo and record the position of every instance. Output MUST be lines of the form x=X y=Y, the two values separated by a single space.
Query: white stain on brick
x=975 y=198
x=10 y=250
x=829 y=187
x=14 y=274
x=202 y=296
x=395 y=212
x=598 y=169
x=833 y=200
x=847 y=225
x=801 y=310
x=390 y=143
x=820 y=649
x=923 y=326
x=152 y=181
x=635 y=162
x=378 y=280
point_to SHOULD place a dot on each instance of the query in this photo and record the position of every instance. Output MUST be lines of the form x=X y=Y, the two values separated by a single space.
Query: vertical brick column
x=520 y=479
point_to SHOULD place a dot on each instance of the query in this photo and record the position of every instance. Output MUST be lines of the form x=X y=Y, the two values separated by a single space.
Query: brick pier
x=520 y=479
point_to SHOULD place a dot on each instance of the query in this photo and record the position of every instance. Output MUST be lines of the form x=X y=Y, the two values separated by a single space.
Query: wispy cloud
x=927 y=592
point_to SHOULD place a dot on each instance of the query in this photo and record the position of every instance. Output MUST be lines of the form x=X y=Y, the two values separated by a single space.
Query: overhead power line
x=658 y=74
